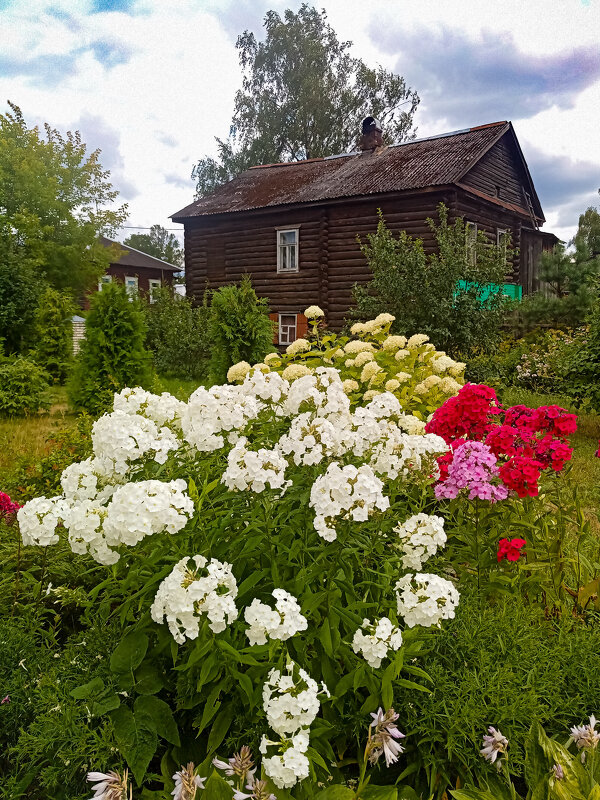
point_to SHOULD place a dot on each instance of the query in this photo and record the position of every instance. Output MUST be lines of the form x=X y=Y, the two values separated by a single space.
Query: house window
x=104 y=279
x=288 y=328
x=153 y=283
x=287 y=250
x=131 y=284
x=502 y=240
x=471 y=242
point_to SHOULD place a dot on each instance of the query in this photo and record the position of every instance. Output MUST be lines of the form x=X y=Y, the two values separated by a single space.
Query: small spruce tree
x=239 y=328
x=54 y=334
x=112 y=355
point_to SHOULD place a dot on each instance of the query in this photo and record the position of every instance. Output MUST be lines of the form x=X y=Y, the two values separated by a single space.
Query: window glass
x=287 y=328
x=153 y=283
x=287 y=251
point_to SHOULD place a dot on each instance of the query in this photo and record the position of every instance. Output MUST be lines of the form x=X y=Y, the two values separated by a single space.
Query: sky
x=151 y=83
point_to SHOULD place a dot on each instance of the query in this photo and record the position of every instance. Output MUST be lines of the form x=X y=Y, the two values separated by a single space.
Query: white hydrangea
x=458 y=369
x=254 y=470
x=295 y=371
x=420 y=537
x=238 y=372
x=187 y=593
x=39 y=518
x=393 y=343
x=298 y=346
x=368 y=396
x=417 y=340
x=425 y=599
x=392 y=385
x=363 y=358
x=118 y=439
x=289 y=765
x=350 y=385
x=272 y=359
x=384 y=319
x=314 y=312
x=162 y=409
x=412 y=457
x=411 y=424
x=369 y=371
x=357 y=328
x=348 y=493
x=310 y=439
x=442 y=363
x=402 y=354
x=430 y=382
x=381 y=636
x=210 y=413
x=403 y=377
x=291 y=699
x=450 y=386
x=281 y=623
x=355 y=346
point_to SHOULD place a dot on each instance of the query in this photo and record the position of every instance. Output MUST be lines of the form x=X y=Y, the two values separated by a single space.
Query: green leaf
x=148 y=680
x=216 y=788
x=242 y=658
x=210 y=708
x=100 y=707
x=220 y=728
x=161 y=715
x=136 y=738
x=335 y=793
x=406 y=793
x=129 y=653
x=95 y=686
x=380 y=793
x=471 y=794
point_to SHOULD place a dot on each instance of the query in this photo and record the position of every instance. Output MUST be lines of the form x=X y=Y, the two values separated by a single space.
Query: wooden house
x=139 y=272
x=293 y=226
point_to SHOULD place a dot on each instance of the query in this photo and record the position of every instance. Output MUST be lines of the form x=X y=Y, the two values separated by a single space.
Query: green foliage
x=239 y=328
x=158 y=243
x=422 y=291
x=54 y=334
x=178 y=335
x=303 y=95
x=582 y=361
x=57 y=199
x=20 y=287
x=23 y=386
x=112 y=355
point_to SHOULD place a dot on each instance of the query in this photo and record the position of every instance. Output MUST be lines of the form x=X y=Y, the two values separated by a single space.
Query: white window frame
x=471 y=241
x=153 y=283
x=104 y=280
x=281 y=248
x=285 y=339
x=132 y=289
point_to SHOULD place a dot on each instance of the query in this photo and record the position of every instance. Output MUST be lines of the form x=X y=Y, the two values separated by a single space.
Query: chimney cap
x=371 y=124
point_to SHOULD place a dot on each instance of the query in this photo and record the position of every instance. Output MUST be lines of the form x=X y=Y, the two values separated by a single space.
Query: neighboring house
x=139 y=272
x=292 y=227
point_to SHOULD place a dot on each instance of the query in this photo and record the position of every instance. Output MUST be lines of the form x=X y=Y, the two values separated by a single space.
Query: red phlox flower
x=521 y=417
x=8 y=507
x=553 y=452
x=510 y=549
x=555 y=420
x=503 y=440
x=468 y=415
x=521 y=474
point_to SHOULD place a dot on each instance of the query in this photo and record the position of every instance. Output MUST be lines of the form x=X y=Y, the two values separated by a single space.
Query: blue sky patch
x=100 y=6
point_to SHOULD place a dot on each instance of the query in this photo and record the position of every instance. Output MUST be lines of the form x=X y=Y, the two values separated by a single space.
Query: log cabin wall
x=499 y=174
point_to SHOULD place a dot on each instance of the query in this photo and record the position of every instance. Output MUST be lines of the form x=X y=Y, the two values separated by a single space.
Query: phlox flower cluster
x=189 y=592
x=348 y=493
x=282 y=622
x=321 y=393
x=121 y=438
x=523 y=441
x=425 y=599
x=162 y=409
x=474 y=470
x=407 y=456
x=212 y=414
x=419 y=538
x=254 y=470
x=288 y=764
x=291 y=699
x=310 y=439
x=8 y=507
x=374 y=640
x=39 y=518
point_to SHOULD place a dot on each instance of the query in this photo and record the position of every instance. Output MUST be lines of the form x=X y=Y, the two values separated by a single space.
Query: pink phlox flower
x=473 y=469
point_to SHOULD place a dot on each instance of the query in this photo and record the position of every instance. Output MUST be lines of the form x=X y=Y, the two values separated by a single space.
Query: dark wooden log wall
x=499 y=174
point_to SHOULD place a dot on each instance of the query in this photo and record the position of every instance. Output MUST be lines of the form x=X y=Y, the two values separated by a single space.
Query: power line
x=141 y=228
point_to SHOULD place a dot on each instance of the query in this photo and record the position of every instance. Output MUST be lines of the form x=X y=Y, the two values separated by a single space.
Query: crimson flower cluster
x=510 y=549
x=525 y=441
x=8 y=507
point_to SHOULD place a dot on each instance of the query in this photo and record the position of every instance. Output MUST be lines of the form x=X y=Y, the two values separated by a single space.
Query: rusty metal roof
x=433 y=161
x=130 y=257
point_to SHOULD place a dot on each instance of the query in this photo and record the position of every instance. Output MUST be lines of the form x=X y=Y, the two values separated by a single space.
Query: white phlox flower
x=254 y=470
x=310 y=439
x=162 y=409
x=374 y=640
x=425 y=599
x=321 y=393
x=118 y=439
x=410 y=457
x=189 y=592
x=291 y=699
x=269 y=387
x=85 y=480
x=39 y=518
x=420 y=537
x=212 y=413
x=345 y=493
x=290 y=764
x=281 y=623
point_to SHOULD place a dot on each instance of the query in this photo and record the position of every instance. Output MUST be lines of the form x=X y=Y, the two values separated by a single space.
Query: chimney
x=372 y=134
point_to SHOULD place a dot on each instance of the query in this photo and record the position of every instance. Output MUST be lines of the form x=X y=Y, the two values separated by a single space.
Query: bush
x=23 y=387
x=178 y=335
x=54 y=334
x=239 y=328
x=112 y=355
x=454 y=296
